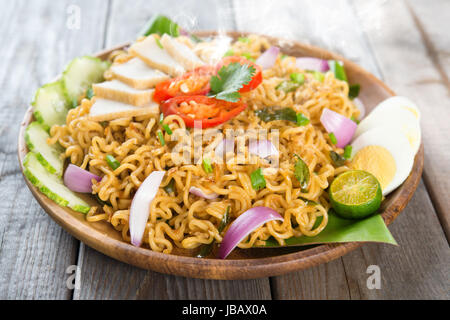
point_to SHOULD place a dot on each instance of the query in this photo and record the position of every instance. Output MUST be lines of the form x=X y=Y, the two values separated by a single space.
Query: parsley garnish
x=229 y=80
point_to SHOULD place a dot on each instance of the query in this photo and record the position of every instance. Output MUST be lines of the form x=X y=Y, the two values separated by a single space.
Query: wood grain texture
x=342 y=33
x=105 y=278
x=407 y=66
x=34 y=251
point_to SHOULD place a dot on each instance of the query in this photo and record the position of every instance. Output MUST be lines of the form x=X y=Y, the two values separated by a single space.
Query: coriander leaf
x=337 y=159
x=229 y=80
x=301 y=172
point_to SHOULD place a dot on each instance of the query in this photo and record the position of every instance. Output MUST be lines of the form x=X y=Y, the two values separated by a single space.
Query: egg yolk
x=378 y=161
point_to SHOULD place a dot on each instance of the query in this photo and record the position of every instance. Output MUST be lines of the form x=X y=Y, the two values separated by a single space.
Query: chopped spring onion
x=319 y=76
x=244 y=225
x=332 y=138
x=112 y=162
x=167 y=128
x=297 y=77
x=337 y=67
x=347 y=152
x=247 y=56
x=79 y=180
x=140 y=205
x=257 y=179
x=159 y=43
x=161 y=138
x=90 y=93
x=161 y=117
x=302 y=120
x=207 y=165
x=342 y=127
x=244 y=39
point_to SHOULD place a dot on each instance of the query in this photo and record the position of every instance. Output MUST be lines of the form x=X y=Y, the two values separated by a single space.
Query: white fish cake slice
x=119 y=91
x=138 y=74
x=181 y=52
x=156 y=57
x=106 y=110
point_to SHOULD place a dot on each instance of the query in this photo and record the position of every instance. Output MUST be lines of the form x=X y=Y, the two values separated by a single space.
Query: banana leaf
x=371 y=229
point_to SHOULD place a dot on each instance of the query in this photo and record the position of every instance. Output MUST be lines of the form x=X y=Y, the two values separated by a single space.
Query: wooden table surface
x=405 y=43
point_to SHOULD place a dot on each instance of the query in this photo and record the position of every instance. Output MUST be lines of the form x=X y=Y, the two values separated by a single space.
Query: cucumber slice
x=50 y=185
x=48 y=155
x=81 y=73
x=50 y=104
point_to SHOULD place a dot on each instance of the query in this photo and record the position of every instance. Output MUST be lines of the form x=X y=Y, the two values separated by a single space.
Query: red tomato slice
x=256 y=79
x=195 y=82
x=209 y=112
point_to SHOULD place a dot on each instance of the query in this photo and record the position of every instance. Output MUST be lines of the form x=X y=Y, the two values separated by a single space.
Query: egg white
x=394 y=115
x=399 y=101
x=396 y=143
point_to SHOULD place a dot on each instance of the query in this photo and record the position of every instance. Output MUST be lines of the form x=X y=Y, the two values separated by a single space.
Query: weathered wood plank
x=34 y=250
x=105 y=278
x=418 y=268
x=333 y=25
x=407 y=66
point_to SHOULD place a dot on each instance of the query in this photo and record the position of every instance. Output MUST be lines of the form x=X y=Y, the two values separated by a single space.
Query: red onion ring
x=244 y=225
x=79 y=180
x=199 y=192
x=140 y=206
x=309 y=63
x=268 y=58
x=343 y=128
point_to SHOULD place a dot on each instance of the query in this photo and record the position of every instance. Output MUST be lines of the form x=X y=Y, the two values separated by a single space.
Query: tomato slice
x=208 y=112
x=195 y=82
x=256 y=79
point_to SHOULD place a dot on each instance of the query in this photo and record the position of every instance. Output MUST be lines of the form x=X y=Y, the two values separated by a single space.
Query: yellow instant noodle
x=187 y=221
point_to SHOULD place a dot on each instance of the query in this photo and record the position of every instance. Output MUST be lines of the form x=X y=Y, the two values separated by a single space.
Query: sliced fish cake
x=119 y=91
x=181 y=53
x=138 y=74
x=106 y=110
x=153 y=55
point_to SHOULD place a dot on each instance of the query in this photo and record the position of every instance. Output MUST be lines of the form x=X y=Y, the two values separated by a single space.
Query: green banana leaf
x=371 y=229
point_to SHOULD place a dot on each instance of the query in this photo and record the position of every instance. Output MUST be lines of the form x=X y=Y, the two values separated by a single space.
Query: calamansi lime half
x=355 y=194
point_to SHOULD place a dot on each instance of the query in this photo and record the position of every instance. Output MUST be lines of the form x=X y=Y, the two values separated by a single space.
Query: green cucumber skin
x=37 y=114
x=47 y=192
x=104 y=64
x=39 y=156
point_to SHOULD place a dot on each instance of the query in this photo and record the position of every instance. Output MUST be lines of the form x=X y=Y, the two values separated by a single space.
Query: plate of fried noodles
x=220 y=155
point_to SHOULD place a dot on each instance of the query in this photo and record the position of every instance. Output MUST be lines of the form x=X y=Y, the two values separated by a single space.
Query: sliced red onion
x=224 y=146
x=140 y=206
x=244 y=225
x=79 y=180
x=183 y=32
x=362 y=109
x=343 y=128
x=268 y=58
x=309 y=63
x=262 y=148
x=200 y=193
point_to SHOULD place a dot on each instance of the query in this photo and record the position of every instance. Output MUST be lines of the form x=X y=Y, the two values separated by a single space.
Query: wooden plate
x=241 y=264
